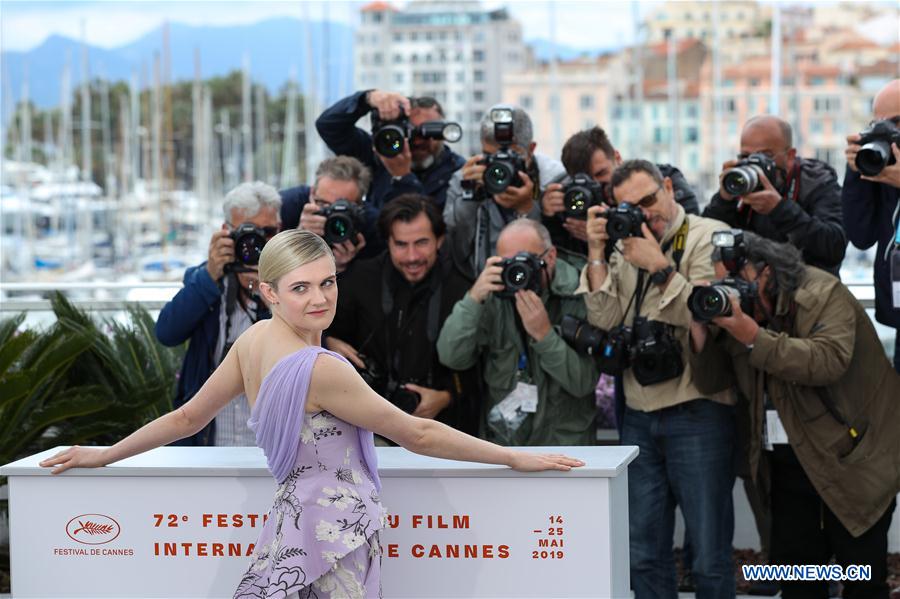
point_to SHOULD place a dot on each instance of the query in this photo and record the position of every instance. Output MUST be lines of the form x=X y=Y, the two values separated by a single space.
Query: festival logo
x=93 y=529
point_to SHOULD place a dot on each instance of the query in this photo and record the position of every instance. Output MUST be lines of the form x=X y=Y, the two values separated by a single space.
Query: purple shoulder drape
x=277 y=415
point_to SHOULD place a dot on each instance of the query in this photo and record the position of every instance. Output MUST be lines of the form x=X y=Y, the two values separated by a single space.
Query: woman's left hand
x=524 y=461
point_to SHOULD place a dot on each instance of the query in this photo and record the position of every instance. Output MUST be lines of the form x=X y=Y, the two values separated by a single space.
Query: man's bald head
x=773 y=126
x=887 y=101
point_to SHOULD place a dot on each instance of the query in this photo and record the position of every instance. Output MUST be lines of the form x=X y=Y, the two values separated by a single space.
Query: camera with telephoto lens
x=249 y=241
x=388 y=136
x=343 y=219
x=387 y=387
x=623 y=221
x=876 y=153
x=655 y=353
x=580 y=192
x=743 y=178
x=522 y=271
x=503 y=166
x=706 y=303
x=609 y=349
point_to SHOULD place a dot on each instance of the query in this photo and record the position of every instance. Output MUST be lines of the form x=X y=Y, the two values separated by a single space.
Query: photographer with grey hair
x=337 y=178
x=218 y=302
x=822 y=443
x=503 y=183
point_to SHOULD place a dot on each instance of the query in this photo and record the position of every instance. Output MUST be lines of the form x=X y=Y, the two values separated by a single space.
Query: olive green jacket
x=826 y=371
x=565 y=379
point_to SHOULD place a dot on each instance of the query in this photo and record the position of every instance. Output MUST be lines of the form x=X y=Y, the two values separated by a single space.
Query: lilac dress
x=321 y=535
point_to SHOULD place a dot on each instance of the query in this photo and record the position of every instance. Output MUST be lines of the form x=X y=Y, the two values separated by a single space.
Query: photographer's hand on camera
x=399 y=165
x=520 y=199
x=343 y=348
x=489 y=281
x=765 y=200
x=473 y=170
x=345 y=252
x=726 y=166
x=388 y=104
x=221 y=253
x=552 y=202
x=577 y=228
x=311 y=220
x=431 y=401
x=889 y=175
x=535 y=319
x=644 y=252
x=739 y=325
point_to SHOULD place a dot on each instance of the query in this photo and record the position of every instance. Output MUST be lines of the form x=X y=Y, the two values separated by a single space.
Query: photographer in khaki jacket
x=686 y=437
x=824 y=404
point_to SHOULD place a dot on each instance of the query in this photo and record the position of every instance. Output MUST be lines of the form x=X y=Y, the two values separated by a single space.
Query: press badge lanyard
x=892 y=257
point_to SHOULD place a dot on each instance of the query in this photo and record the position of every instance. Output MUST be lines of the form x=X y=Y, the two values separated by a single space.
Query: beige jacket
x=606 y=309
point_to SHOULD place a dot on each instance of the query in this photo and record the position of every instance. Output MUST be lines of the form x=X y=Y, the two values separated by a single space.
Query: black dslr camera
x=503 y=166
x=609 y=349
x=249 y=241
x=388 y=136
x=343 y=219
x=655 y=353
x=387 y=387
x=580 y=192
x=623 y=221
x=743 y=178
x=522 y=271
x=875 y=153
x=706 y=303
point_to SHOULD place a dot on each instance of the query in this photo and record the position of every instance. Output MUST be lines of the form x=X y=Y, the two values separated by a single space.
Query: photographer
x=218 y=302
x=781 y=196
x=686 y=437
x=390 y=313
x=338 y=178
x=822 y=400
x=424 y=165
x=591 y=153
x=872 y=209
x=540 y=391
x=502 y=184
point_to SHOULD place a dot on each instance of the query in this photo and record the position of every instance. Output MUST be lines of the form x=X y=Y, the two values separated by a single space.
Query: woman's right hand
x=76 y=457
x=524 y=461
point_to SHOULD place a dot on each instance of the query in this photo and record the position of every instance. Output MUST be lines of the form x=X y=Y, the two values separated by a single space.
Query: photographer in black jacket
x=424 y=166
x=591 y=152
x=391 y=310
x=872 y=214
x=802 y=205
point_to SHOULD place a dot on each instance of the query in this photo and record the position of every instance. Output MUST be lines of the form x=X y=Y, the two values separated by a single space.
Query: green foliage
x=80 y=382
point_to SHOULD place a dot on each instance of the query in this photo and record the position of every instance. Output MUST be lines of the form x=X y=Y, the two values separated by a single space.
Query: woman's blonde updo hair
x=289 y=250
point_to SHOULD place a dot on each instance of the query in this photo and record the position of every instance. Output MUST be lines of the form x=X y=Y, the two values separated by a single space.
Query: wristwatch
x=661 y=276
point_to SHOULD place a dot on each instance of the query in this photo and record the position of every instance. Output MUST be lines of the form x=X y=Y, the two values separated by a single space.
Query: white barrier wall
x=182 y=522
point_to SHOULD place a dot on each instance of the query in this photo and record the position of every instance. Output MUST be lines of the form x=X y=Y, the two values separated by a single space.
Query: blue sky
x=25 y=24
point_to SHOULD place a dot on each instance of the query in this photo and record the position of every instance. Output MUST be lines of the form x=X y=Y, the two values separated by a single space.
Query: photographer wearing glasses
x=503 y=183
x=822 y=398
x=333 y=209
x=590 y=159
x=871 y=201
x=218 y=302
x=773 y=192
x=539 y=391
x=391 y=310
x=638 y=298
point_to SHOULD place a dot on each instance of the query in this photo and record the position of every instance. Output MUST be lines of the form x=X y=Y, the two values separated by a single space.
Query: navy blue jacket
x=193 y=314
x=337 y=127
x=868 y=212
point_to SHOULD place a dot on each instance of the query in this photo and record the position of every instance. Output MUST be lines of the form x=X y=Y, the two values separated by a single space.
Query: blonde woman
x=313 y=417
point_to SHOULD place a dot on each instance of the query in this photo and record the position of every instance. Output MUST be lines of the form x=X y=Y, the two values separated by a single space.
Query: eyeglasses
x=648 y=200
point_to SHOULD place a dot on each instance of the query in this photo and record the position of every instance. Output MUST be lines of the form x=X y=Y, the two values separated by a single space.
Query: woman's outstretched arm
x=338 y=388
x=221 y=387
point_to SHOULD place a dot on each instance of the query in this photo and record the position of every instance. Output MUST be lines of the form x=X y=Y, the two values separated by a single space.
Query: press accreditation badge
x=895 y=272
x=773 y=432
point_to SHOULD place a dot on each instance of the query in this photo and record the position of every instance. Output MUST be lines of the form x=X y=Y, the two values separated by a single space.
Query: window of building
x=657 y=135
x=398 y=37
x=478 y=96
x=526 y=102
x=553 y=102
x=414 y=36
x=478 y=55
x=816 y=81
x=586 y=102
x=460 y=76
x=815 y=125
x=478 y=75
x=460 y=98
x=398 y=78
x=429 y=36
x=398 y=58
x=691 y=135
x=617 y=111
x=690 y=111
x=476 y=115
